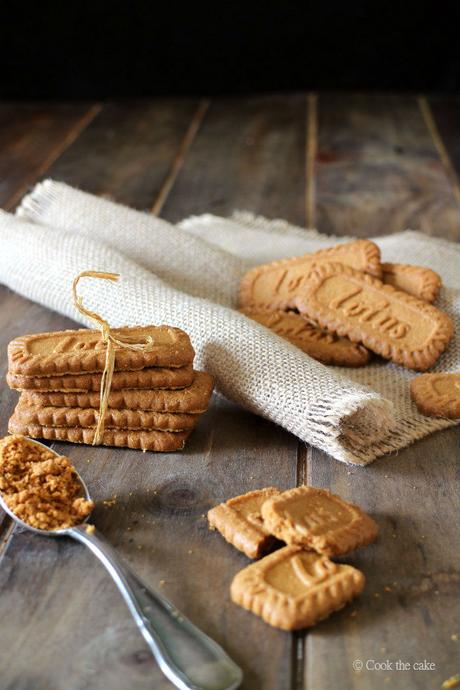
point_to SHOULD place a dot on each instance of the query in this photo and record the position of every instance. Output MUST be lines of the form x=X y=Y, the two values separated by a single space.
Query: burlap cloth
x=188 y=276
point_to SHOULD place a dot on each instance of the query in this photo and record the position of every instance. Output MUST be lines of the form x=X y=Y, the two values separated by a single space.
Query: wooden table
x=348 y=164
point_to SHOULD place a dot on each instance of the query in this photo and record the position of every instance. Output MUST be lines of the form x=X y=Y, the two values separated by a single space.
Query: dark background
x=135 y=49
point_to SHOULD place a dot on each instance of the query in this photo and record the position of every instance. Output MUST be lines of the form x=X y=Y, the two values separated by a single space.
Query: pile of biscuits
x=340 y=304
x=155 y=399
x=297 y=585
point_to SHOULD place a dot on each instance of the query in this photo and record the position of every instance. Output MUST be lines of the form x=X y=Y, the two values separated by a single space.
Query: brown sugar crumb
x=39 y=487
x=110 y=502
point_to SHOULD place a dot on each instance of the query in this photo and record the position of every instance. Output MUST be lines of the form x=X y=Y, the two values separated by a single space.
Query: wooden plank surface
x=249 y=154
x=32 y=137
x=166 y=529
x=412 y=493
x=373 y=167
x=378 y=170
x=129 y=150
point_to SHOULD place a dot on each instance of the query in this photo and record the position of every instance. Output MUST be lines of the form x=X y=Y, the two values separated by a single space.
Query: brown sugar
x=39 y=487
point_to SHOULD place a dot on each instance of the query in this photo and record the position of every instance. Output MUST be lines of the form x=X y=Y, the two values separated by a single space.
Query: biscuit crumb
x=190 y=551
x=452 y=682
x=109 y=502
x=353 y=614
x=40 y=487
x=387 y=588
x=377 y=595
x=90 y=529
x=455 y=637
x=162 y=583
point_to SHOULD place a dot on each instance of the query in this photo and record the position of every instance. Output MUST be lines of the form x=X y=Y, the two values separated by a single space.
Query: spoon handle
x=187 y=657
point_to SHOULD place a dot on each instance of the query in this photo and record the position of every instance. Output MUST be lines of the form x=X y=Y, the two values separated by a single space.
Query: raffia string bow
x=126 y=342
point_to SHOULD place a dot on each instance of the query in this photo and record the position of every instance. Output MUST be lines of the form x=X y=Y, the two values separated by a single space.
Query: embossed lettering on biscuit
x=319 y=520
x=293 y=588
x=437 y=395
x=275 y=284
x=389 y=322
x=80 y=351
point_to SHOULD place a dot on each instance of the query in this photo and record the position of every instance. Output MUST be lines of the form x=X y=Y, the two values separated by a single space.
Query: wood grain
x=246 y=156
x=378 y=170
x=445 y=111
x=128 y=152
x=411 y=494
x=32 y=137
x=163 y=534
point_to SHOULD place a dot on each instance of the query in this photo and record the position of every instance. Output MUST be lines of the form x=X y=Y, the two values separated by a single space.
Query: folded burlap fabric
x=355 y=415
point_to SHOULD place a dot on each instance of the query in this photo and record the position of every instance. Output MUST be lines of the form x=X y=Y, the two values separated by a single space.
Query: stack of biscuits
x=341 y=304
x=155 y=399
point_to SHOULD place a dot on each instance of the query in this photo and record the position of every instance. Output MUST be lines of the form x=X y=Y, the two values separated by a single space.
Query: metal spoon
x=188 y=658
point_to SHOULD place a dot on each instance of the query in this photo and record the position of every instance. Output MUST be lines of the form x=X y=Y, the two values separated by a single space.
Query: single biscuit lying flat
x=418 y=281
x=240 y=523
x=76 y=352
x=114 y=419
x=389 y=322
x=319 y=520
x=273 y=285
x=191 y=400
x=325 y=347
x=437 y=395
x=151 y=377
x=293 y=588
x=158 y=441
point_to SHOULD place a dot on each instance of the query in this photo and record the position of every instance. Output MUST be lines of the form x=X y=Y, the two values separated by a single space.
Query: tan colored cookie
x=191 y=400
x=389 y=322
x=437 y=395
x=83 y=351
x=293 y=588
x=151 y=377
x=158 y=441
x=321 y=345
x=114 y=419
x=418 y=281
x=240 y=523
x=316 y=519
x=273 y=285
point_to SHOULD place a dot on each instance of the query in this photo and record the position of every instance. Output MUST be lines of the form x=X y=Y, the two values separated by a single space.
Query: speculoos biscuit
x=83 y=351
x=191 y=400
x=273 y=285
x=418 y=281
x=387 y=321
x=157 y=441
x=151 y=377
x=114 y=419
x=240 y=522
x=293 y=588
x=316 y=519
x=327 y=348
x=437 y=395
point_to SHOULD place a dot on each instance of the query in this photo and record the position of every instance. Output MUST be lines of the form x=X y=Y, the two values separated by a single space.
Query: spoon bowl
x=187 y=656
x=47 y=532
